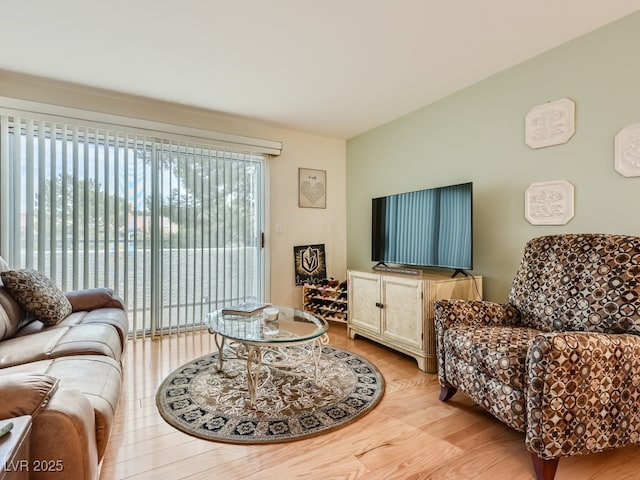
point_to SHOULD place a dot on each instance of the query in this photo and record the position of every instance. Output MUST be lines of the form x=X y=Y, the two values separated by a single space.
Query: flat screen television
x=426 y=228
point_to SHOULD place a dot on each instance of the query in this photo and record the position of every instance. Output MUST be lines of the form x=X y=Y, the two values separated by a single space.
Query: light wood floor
x=409 y=435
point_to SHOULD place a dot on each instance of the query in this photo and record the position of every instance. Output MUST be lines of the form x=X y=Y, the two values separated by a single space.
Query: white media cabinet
x=396 y=310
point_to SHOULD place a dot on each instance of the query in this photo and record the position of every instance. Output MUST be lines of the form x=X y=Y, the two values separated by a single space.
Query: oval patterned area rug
x=198 y=400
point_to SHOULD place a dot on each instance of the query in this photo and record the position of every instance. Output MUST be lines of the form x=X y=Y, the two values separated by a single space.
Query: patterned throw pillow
x=37 y=295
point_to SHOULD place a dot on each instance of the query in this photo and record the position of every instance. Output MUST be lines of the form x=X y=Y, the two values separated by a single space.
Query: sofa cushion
x=109 y=316
x=115 y=317
x=24 y=393
x=99 y=378
x=498 y=352
x=11 y=314
x=100 y=339
x=37 y=295
x=55 y=342
x=31 y=348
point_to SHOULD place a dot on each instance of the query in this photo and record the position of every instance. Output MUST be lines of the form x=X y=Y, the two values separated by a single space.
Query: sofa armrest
x=25 y=393
x=94 y=298
x=582 y=393
x=64 y=434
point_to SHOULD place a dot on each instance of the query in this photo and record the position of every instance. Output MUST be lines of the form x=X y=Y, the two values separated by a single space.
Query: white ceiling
x=329 y=67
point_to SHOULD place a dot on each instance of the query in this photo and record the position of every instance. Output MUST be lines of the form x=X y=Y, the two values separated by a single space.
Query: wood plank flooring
x=409 y=435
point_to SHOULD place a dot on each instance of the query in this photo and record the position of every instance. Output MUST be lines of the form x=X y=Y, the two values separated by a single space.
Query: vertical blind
x=173 y=226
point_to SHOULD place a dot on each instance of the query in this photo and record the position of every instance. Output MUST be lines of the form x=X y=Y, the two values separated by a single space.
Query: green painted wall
x=478 y=135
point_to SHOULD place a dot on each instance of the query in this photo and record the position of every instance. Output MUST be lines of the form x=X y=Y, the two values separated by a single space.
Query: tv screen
x=431 y=228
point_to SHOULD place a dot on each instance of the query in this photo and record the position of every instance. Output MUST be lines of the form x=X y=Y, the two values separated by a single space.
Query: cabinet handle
x=379 y=305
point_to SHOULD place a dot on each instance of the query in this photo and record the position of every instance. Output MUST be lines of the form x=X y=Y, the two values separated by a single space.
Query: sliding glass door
x=173 y=226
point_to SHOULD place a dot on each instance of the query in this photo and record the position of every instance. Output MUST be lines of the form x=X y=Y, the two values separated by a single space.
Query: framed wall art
x=549 y=203
x=312 y=188
x=551 y=123
x=309 y=263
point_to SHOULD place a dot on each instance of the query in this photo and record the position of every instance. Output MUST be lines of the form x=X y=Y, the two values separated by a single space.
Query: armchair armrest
x=94 y=298
x=450 y=312
x=582 y=393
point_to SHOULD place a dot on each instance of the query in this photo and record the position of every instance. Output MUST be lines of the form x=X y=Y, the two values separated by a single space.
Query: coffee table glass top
x=291 y=326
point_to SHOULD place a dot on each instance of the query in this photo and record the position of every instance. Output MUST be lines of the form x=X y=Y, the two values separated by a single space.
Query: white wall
x=299 y=226
x=305 y=226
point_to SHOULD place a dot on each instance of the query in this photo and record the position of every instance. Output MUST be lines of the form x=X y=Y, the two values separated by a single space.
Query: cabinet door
x=363 y=296
x=402 y=311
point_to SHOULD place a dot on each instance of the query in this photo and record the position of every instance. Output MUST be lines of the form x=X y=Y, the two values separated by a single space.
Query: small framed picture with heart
x=312 y=188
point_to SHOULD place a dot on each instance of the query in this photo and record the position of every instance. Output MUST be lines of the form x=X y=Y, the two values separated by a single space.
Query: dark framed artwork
x=309 y=263
x=312 y=188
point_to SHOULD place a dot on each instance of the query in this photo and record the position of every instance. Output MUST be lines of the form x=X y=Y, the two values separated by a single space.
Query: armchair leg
x=545 y=469
x=446 y=393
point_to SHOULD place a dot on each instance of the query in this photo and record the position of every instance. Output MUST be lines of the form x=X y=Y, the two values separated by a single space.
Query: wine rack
x=328 y=300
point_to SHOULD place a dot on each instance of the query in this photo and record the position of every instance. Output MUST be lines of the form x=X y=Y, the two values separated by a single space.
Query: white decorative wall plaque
x=627 y=151
x=552 y=123
x=549 y=203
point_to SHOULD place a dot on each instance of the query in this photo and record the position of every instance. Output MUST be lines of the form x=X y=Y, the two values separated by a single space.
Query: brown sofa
x=67 y=375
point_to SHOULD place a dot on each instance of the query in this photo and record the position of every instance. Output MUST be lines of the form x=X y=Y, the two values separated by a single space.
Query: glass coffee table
x=282 y=343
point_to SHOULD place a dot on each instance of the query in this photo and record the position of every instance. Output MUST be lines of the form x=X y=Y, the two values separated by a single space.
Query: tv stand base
x=461 y=272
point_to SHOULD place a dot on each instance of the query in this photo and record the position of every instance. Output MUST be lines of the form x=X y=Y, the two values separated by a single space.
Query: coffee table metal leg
x=219 y=339
x=254 y=365
x=316 y=352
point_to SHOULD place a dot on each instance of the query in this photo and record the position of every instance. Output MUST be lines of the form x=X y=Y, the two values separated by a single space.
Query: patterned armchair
x=561 y=360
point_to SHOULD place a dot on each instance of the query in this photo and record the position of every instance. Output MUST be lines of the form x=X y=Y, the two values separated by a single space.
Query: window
x=173 y=226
